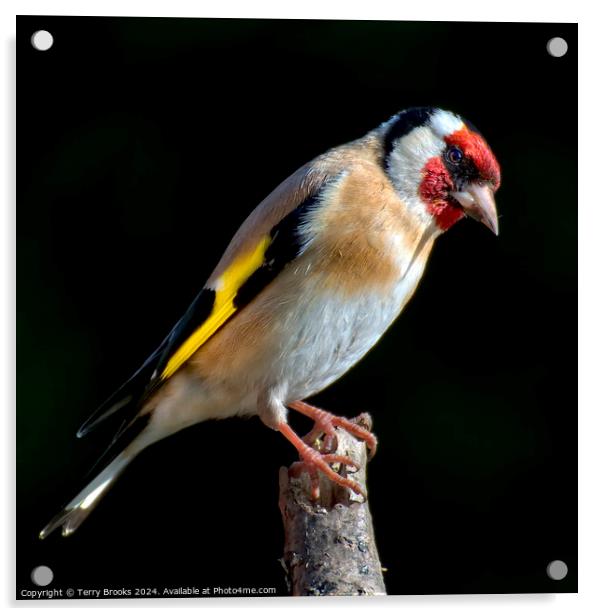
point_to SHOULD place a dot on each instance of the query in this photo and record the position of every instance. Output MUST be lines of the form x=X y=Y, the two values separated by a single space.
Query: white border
x=588 y=600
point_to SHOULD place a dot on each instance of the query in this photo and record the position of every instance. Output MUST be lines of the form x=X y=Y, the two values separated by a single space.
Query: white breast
x=318 y=334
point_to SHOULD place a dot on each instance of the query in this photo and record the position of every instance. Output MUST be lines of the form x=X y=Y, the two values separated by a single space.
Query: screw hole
x=557 y=47
x=42 y=40
x=42 y=575
x=557 y=570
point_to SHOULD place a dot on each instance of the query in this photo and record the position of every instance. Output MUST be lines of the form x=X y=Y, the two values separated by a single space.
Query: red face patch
x=434 y=191
x=476 y=149
x=437 y=182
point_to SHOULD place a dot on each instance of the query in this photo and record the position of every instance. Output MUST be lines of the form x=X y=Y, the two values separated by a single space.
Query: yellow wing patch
x=226 y=289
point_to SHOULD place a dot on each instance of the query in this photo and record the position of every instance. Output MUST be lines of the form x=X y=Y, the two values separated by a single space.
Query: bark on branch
x=329 y=546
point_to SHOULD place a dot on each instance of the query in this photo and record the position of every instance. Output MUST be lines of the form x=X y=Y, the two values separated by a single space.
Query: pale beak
x=478 y=203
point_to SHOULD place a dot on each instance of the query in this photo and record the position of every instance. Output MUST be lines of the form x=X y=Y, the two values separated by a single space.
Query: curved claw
x=313 y=461
x=358 y=432
x=325 y=423
x=332 y=458
x=297 y=468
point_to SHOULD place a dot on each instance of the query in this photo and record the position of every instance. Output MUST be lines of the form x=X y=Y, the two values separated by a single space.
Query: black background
x=143 y=144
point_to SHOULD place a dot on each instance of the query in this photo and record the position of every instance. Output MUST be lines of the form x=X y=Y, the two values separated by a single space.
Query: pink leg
x=325 y=422
x=313 y=461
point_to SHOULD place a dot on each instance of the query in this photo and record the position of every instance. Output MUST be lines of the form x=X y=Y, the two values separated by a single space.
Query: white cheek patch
x=407 y=160
x=444 y=123
x=421 y=145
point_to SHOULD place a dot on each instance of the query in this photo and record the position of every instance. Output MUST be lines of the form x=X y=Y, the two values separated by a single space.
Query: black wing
x=285 y=244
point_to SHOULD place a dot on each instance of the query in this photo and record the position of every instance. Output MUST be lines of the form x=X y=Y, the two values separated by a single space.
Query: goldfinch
x=309 y=283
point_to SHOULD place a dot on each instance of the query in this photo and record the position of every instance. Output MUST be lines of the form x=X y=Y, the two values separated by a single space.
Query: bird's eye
x=454 y=155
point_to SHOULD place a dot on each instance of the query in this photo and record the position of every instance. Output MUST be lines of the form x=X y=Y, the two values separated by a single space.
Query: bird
x=309 y=283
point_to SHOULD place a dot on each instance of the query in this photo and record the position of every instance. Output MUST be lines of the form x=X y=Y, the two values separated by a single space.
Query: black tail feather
x=126 y=399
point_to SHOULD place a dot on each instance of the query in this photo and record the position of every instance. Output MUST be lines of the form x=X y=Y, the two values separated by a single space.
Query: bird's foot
x=317 y=448
x=323 y=436
x=313 y=461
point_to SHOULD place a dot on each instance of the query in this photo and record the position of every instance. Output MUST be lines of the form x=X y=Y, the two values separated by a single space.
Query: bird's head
x=441 y=166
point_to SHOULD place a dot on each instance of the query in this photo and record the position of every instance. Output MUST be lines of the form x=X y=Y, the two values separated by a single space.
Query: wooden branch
x=329 y=546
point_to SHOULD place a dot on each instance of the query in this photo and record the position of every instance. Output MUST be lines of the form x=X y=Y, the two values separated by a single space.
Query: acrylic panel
x=143 y=145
